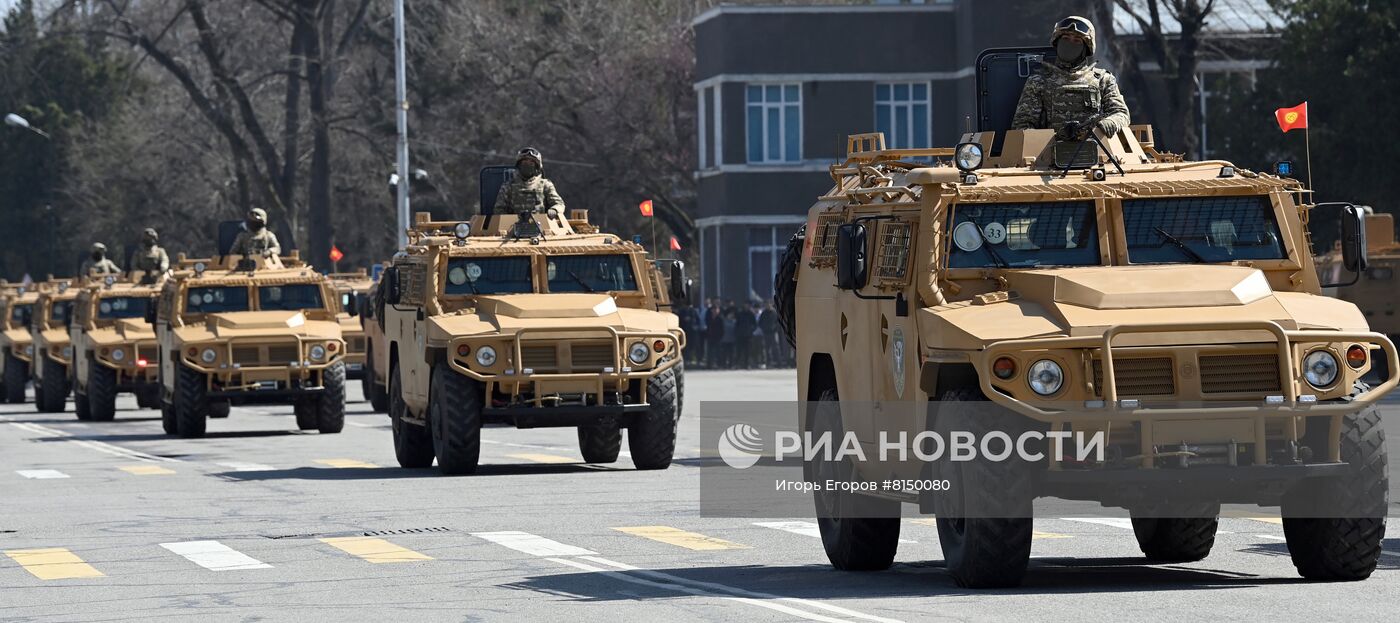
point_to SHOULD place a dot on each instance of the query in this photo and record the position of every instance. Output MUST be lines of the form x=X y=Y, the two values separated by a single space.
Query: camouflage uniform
x=528 y=193
x=98 y=265
x=152 y=259
x=1071 y=91
x=257 y=240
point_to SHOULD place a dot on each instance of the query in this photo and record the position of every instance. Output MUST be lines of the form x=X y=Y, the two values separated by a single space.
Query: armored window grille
x=824 y=239
x=892 y=261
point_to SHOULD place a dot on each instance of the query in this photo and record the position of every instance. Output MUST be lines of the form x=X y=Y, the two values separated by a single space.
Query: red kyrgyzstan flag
x=646 y=207
x=1292 y=118
x=675 y=244
x=335 y=254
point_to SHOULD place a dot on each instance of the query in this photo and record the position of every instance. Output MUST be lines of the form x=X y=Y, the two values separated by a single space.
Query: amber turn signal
x=1004 y=368
x=1356 y=356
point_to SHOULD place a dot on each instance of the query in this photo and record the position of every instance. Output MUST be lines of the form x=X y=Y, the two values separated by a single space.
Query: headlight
x=118 y=354
x=638 y=353
x=29 y=350
x=486 y=356
x=968 y=156
x=1046 y=377
x=1320 y=368
x=67 y=352
x=462 y=230
x=208 y=356
x=318 y=352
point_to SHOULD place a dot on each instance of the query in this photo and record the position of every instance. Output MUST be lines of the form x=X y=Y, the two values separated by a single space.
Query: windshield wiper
x=1176 y=242
x=581 y=282
x=996 y=257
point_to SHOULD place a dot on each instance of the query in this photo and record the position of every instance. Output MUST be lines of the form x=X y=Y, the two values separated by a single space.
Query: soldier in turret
x=256 y=240
x=529 y=192
x=151 y=260
x=97 y=264
x=1072 y=91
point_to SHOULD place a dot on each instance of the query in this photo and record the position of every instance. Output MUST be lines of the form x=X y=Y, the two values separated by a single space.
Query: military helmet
x=150 y=234
x=258 y=214
x=1078 y=25
x=530 y=153
x=98 y=247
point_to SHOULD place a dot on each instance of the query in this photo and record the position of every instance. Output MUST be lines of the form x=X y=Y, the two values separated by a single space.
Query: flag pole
x=1307 y=149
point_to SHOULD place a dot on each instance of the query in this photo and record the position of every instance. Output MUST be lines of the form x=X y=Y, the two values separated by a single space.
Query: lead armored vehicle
x=531 y=321
x=114 y=347
x=1043 y=285
x=53 y=353
x=15 y=341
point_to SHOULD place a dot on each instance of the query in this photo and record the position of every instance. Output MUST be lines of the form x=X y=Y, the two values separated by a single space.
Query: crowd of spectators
x=730 y=336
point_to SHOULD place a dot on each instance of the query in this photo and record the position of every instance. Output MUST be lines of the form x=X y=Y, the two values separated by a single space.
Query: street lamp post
x=20 y=122
x=401 y=112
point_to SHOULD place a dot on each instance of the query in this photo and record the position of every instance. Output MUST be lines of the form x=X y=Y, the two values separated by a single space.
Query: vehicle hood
x=1088 y=301
x=511 y=313
x=266 y=324
x=126 y=330
x=53 y=337
x=18 y=336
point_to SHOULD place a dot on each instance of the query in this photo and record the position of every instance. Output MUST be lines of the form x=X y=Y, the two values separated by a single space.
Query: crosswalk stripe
x=146 y=470
x=374 y=550
x=532 y=544
x=543 y=458
x=41 y=474
x=680 y=538
x=53 y=563
x=804 y=528
x=1116 y=522
x=239 y=466
x=345 y=463
x=215 y=556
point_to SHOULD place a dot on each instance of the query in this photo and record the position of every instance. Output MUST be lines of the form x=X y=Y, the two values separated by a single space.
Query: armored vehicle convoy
x=114 y=347
x=1100 y=287
x=352 y=289
x=249 y=331
x=533 y=321
x=53 y=353
x=15 y=341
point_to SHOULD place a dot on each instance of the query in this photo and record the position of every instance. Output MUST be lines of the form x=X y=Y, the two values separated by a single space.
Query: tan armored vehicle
x=353 y=290
x=245 y=331
x=16 y=342
x=535 y=321
x=375 y=380
x=53 y=353
x=1083 y=287
x=114 y=347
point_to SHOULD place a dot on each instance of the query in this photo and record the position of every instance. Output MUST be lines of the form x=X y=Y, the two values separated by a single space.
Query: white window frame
x=909 y=104
x=764 y=106
x=773 y=250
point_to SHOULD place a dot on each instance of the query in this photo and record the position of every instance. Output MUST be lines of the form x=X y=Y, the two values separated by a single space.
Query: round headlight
x=29 y=350
x=1045 y=377
x=67 y=352
x=118 y=354
x=486 y=356
x=462 y=230
x=1320 y=368
x=318 y=352
x=208 y=356
x=638 y=353
x=968 y=156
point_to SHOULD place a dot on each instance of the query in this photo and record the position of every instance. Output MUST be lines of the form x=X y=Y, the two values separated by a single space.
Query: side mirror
x=679 y=286
x=1353 y=239
x=391 y=286
x=151 y=314
x=850 y=257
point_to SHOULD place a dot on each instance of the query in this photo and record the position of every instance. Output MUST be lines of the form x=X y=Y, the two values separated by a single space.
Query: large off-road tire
x=377 y=395
x=1176 y=539
x=984 y=518
x=859 y=533
x=168 y=423
x=785 y=285
x=148 y=397
x=652 y=437
x=51 y=396
x=101 y=394
x=16 y=376
x=190 y=403
x=367 y=373
x=600 y=443
x=413 y=444
x=305 y=411
x=81 y=408
x=330 y=405
x=1342 y=548
x=220 y=409
x=454 y=416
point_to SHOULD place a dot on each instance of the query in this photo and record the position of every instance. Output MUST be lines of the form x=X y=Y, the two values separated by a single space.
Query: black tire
x=984 y=519
x=148 y=397
x=378 y=395
x=859 y=533
x=101 y=394
x=413 y=444
x=305 y=412
x=220 y=409
x=167 y=420
x=785 y=285
x=1343 y=548
x=600 y=443
x=652 y=437
x=1176 y=539
x=190 y=404
x=330 y=405
x=16 y=376
x=81 y=408
x=51 y=396
x=454 y=416
x=367 y=373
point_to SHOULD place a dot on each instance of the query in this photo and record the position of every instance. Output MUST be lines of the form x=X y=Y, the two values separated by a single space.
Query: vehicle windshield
x=290 y=297
x=213 y=300
x=123 y=307
x=58 y=313
x=1201 y=229
x=590 y=273
x=488 y=275
x=22 y=314
x=1024 y=235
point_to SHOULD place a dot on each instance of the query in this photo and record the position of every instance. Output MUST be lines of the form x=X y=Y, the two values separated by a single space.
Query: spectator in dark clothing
x=768 y=323
x=685 y=315
x=745 y=327
x=714 y=334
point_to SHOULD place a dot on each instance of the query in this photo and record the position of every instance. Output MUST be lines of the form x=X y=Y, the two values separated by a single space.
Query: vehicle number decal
x=994 y=233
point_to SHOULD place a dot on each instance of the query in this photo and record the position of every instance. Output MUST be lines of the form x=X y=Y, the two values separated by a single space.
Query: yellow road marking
x=53 y=563
x=345 y=463
x=146 y=470
x=1248 y=515
x=543 y=458
x=374 y=550
x=1036 y=534
x=680 y=538
x=1272 y=520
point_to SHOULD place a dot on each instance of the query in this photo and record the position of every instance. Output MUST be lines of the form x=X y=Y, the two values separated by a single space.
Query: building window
x=764 y=253
x=774 y=123
x=902 y=113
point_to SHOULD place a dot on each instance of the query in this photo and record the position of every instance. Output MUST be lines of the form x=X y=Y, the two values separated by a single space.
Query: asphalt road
x=116 y=521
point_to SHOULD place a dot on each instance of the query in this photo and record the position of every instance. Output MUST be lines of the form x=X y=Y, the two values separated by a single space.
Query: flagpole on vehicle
x=1307 y=151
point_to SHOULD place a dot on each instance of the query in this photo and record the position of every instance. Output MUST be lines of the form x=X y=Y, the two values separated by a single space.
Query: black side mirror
x=679 y=286
x=391 y=286
x=850 y=257
x=151 y=314
x=1353 y=241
